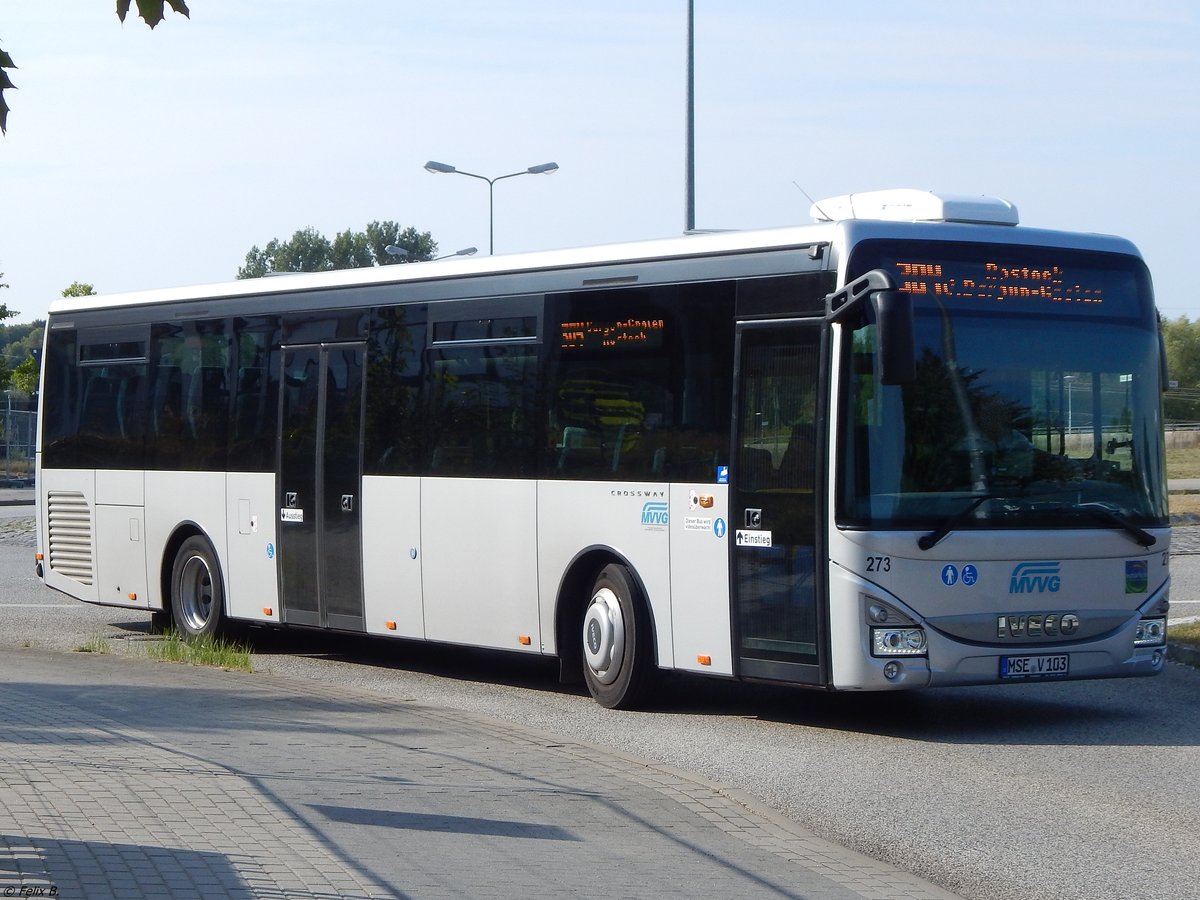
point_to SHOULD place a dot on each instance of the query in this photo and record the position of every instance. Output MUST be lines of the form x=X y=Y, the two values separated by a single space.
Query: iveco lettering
x=911 y=444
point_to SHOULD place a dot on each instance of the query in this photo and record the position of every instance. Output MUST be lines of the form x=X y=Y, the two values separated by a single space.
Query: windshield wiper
x=1094 y=509
x=1112 y=517
x=931 y=540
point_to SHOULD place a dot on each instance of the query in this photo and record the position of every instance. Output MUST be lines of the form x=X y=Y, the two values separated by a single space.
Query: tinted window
x=641 y=382
x=395 y=437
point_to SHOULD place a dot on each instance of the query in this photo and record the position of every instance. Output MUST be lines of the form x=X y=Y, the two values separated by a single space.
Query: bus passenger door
x=775 y=502
x=320 y=475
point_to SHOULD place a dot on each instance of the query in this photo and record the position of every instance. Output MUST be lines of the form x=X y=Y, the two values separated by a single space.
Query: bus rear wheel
x=197 y=598
x=618 y=662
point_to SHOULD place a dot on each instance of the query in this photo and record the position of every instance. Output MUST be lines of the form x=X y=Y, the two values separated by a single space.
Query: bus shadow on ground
x=1117 y=712
x=1120 y=712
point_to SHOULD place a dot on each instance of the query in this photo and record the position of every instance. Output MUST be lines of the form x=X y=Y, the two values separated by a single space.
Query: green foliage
x=150 y=10
x=6 y=62
x=4 y=310
x=206 y=651
x=97 y=643
x=1181 y=338
x=310 y=251
x=25 y=376
x=79 y=289
x=20 y=342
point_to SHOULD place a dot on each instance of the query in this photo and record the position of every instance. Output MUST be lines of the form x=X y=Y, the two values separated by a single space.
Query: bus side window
x=394 y=428
x=101 y=410
x=482 y=400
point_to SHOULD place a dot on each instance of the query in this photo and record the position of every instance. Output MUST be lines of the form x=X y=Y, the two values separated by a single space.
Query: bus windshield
x=1035 y=402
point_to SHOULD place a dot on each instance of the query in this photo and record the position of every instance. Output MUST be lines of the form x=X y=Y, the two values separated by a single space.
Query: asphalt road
x=1059 y=790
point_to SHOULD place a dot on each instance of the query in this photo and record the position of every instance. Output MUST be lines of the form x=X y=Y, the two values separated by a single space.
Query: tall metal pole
x=689 y=203
x=491 y=216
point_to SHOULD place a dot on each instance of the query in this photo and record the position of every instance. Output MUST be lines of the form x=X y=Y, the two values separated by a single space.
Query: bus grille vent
x=70 y=526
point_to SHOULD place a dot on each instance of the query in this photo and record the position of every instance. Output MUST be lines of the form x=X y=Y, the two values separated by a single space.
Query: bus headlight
x=897 y=642
x=1150 y=633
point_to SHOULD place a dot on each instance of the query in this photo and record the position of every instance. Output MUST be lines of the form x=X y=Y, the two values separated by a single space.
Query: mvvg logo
x=655 y=514
x=1035 y=578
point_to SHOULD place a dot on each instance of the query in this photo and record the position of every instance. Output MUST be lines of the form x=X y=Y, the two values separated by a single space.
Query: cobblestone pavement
x=128 y=778
x=17 y=530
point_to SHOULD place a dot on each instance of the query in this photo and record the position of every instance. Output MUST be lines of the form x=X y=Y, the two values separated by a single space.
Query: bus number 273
x=879 y=564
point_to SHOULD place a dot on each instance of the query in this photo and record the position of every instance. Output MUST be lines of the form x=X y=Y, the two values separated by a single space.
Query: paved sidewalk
x=128 y=778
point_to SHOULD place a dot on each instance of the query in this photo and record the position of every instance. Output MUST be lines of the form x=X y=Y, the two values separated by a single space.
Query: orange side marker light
x=704 y=660
x=391 y=626
x=524 y=640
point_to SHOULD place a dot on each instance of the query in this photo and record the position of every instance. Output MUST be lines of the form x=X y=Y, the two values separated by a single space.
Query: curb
x=1181 y=653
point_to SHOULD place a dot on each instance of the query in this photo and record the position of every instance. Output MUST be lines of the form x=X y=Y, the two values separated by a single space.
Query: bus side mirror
x=894 y=315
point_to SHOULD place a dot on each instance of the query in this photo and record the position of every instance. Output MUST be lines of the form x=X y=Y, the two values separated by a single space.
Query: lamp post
x=438 y=168
x=393 y=250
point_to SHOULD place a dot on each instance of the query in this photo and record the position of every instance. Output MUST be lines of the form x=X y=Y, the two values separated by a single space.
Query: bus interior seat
x=578 y=450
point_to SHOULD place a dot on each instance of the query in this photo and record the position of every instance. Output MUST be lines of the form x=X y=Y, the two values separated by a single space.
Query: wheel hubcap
x=196 y=593
x=604 y=636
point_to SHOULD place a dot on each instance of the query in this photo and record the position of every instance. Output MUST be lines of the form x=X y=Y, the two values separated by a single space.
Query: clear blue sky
x=138 y=159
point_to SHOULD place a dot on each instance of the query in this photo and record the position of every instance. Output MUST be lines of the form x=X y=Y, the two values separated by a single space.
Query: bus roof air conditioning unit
x=909 y=205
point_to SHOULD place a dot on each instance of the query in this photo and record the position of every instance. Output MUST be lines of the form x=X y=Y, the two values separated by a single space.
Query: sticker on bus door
x=753 y=538
x=291 y=515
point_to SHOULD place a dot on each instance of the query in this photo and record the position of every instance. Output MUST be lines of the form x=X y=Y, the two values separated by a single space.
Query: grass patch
x=94 y=644
x=1184 y=504
x=203 y=652
x=1187 y=633
x=1183 y=462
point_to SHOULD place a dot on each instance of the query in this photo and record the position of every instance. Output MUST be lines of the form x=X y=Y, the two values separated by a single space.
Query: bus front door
x=775 y=502
x=320 y=476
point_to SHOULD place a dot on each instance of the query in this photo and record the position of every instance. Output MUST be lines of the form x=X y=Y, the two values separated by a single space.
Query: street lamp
x=393 y=250
x=438 y=168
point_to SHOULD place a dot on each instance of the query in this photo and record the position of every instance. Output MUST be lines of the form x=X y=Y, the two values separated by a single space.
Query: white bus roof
x=882 y=214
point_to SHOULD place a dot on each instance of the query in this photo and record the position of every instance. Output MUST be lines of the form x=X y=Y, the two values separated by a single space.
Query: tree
x=1181 y=338
x=310 y=251
x=5 y=312
x=150 y=10
x=79 y=289
x=25 y=376
x=24 y=342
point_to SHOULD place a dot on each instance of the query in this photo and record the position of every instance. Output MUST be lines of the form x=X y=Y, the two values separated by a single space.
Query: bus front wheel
x=617 y=658
x=197 y=598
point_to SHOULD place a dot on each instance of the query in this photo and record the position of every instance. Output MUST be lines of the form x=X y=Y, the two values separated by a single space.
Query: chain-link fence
x=20 y=440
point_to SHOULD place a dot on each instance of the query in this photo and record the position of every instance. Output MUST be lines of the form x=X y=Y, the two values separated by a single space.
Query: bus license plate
x=1035 y=666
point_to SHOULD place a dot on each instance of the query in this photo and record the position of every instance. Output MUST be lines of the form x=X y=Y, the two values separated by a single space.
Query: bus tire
x=618 y=661
x=197 y=595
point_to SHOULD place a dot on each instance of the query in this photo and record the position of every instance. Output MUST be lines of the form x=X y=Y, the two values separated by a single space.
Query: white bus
x=913 y=444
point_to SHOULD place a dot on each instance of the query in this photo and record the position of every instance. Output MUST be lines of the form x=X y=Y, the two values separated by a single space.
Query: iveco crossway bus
x=912 y=444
